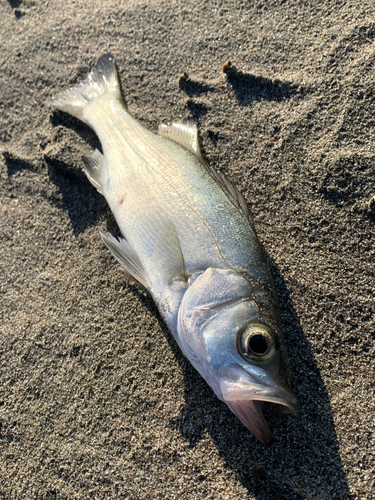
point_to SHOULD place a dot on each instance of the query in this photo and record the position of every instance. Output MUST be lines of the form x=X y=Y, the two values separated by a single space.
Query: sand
x=96 y=400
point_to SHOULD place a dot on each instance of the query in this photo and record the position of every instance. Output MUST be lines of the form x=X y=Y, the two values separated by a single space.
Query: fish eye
x=256 y=342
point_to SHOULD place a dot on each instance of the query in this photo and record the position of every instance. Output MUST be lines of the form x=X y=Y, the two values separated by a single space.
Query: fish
x=189 y=241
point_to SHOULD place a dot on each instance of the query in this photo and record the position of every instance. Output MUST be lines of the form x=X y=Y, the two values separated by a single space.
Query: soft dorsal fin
x=168 y=256
x=129 y=260
x=183 y=133
x=93 y=166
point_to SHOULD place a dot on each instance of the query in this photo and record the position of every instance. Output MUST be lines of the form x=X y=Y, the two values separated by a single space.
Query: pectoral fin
x=168 y=256
x=125 y=255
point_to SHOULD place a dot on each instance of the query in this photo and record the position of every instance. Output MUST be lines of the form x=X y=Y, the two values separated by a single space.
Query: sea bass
x=189 y=241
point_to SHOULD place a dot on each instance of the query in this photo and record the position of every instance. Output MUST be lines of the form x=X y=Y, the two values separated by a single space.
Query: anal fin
x=93 y=166
x=125 y=255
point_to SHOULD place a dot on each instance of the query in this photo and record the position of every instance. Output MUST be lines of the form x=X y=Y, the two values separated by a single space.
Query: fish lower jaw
x=251 y=415
x=243 y=391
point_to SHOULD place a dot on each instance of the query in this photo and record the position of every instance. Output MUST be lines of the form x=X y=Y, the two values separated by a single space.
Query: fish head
x=229 y=329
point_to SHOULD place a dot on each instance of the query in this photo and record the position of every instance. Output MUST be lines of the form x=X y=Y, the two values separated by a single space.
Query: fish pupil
x=258 y=344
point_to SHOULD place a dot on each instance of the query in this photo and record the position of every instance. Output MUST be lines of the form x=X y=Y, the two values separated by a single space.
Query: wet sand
x=96 y=400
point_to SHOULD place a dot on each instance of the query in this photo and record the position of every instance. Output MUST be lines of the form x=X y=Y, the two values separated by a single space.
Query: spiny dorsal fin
x=168 y=256
x=129 y=260
x=183 y=133
x=223 y=180
x=93 y=166
x=186 y=134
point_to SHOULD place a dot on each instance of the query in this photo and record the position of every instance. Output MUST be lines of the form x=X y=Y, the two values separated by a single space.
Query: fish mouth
x=249 y=402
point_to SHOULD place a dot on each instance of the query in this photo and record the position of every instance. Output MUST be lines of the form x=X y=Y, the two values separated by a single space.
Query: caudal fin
x=102 y=80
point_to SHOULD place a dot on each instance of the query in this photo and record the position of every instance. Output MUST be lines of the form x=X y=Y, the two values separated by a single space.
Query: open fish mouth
x=249 y=403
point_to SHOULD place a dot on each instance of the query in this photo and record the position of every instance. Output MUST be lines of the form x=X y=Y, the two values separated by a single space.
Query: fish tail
x=103 y=80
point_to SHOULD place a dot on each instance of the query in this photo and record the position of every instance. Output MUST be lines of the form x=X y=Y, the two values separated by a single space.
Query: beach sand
x=96 y=399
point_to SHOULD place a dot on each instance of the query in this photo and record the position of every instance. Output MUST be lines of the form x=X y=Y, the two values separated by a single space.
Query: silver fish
x=189 y=241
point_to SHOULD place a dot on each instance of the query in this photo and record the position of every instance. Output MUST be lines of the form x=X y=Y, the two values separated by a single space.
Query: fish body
x=189 y=241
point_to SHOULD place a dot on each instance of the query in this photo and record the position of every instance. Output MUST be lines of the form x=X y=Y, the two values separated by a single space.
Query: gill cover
x=224 y=332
